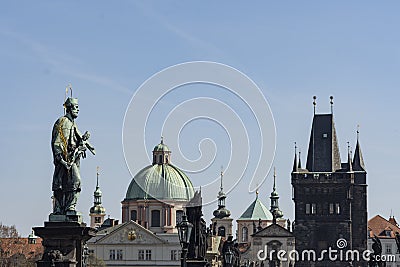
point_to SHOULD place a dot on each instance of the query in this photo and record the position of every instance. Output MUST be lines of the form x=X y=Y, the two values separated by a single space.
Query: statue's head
x=71 y=106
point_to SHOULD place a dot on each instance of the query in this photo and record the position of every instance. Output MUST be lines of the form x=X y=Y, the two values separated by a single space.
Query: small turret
x=358 y=161
x=295 y=161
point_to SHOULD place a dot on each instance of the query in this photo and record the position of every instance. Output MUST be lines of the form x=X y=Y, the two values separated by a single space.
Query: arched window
x=221 y=231
x=133 y=215
x=155 y=218
x=179 y=214
x=245 y=234
x=160 y=161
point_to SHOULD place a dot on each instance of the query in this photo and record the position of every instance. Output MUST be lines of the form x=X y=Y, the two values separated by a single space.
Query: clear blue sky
x=292 y=50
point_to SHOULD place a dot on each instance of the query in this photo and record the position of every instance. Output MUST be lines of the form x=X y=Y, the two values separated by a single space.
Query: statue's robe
x=66 y=183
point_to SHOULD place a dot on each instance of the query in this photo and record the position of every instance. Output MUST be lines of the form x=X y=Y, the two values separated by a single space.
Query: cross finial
x=358 y=131
x=314 y=103
x=331 y=98
x=295 y=148
x=274 y=178
x=97 y=175
x=222 y=175
x=162 y=139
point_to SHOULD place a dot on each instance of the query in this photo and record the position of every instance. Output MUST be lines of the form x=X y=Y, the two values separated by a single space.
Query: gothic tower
x=330 y=197
x=97 y=212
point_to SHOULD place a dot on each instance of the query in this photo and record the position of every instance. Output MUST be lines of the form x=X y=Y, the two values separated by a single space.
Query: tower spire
x=358 y=161
x=221 y=212
x=295 y=162
x=331 y=98
x=299 y=165
x=222 y=175
x=97 y=212
x=350 y=167
x=275 y=200
x=314 y=103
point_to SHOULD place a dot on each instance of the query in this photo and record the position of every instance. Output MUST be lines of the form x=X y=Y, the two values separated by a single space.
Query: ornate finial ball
x=314 y=97
x=331 y=97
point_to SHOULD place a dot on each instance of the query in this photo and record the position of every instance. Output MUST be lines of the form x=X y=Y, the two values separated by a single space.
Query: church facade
x=154 y=204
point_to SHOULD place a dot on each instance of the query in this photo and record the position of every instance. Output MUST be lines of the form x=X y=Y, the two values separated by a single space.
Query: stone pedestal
x=197 y=263
x=63 y=243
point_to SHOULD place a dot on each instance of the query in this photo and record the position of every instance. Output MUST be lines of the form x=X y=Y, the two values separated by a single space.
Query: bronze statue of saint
x=68 y=146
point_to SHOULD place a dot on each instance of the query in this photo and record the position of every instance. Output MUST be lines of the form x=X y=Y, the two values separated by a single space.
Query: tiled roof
x=12 y=246
x=256 y=210
x=379 y=226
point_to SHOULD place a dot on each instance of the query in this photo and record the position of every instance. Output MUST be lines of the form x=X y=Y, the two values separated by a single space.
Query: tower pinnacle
x=275 y=200
x=97 y=212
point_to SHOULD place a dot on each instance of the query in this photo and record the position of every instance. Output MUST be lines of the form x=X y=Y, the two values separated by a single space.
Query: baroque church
x=154 y=204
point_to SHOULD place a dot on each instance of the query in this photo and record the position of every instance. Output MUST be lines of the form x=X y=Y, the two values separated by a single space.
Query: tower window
x=337 y=208
x=155 y=218
x=308 y=208
x=221 y=231
x=160 y=159
x=245 y=234
x=313 y=208
x=325 y=135
x=97 y=219
x=331 y=208
x=133 y=215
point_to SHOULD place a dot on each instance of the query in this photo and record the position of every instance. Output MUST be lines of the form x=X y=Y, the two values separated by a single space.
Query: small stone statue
x=377 y=248
x=68 y=146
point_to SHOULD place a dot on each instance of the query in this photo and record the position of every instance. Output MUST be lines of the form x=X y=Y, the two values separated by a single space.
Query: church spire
x=97 y=212
x=295 y=162
x=221 y=212
x=275 y=200
x=358 y=161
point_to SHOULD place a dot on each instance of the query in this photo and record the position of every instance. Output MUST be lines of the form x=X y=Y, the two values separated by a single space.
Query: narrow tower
x=275 y=201
x=97 y=212
x=222 y=223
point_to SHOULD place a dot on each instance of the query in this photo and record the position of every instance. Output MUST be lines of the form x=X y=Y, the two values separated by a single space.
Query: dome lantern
x=161 y=153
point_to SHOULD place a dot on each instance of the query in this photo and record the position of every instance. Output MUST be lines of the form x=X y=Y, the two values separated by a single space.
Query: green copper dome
x=160 y=181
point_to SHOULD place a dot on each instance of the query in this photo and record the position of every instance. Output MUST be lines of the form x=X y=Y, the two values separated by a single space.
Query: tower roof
x=323 y=151
x=358 y=161
x=257 y=210
x=161 y=147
